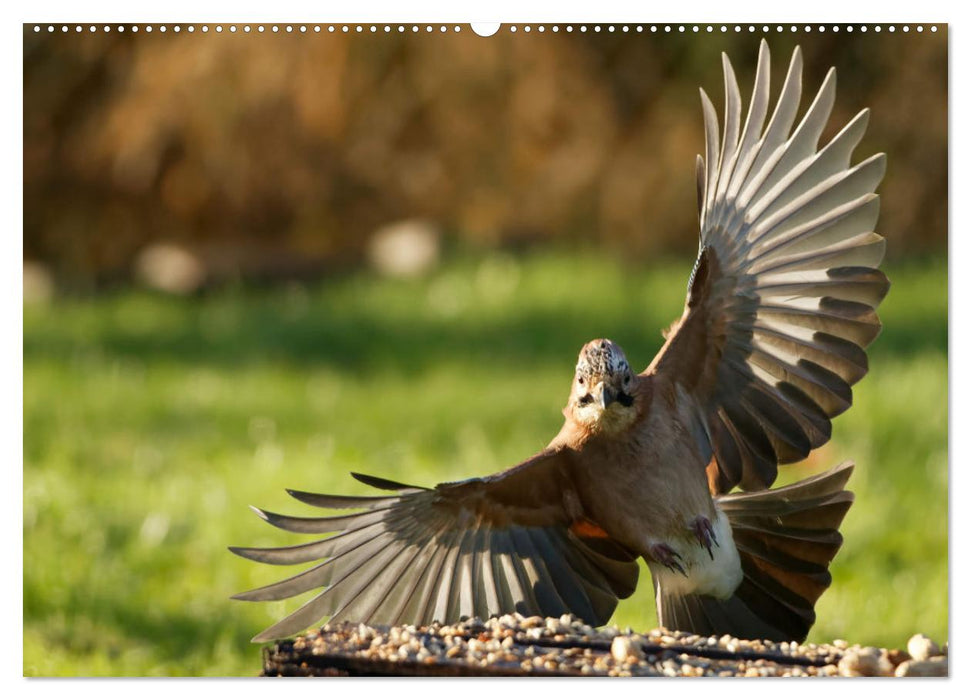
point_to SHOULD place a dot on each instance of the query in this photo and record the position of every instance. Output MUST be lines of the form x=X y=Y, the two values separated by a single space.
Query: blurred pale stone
x=38 y=285
x=405 y=248
x=860 y=662
x=921 y=647
x=935 y=666
x=169 y=268
x=885 y=666
x=623 y=647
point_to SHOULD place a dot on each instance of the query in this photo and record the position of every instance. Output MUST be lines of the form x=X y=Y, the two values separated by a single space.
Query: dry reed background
x=276 y=154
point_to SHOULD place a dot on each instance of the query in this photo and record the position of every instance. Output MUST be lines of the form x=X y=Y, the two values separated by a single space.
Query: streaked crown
x=601 y=358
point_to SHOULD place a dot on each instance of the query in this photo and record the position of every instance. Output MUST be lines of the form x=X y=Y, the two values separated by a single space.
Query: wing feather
x=541 y=583
x=770 y=149
x=782 y=300
x=487 y=546
x=758 y=108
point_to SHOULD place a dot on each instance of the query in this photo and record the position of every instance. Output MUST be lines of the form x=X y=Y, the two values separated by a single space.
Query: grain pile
x=513 y=645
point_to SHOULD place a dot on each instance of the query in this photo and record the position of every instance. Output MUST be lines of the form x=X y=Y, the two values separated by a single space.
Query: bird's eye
x=580 y=381
x=627 y=379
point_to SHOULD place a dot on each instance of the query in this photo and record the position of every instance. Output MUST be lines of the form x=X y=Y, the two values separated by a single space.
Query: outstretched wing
x=501 y=544
x=781 y=303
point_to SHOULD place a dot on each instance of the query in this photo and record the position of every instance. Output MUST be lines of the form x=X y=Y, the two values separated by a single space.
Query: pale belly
x=717 y=577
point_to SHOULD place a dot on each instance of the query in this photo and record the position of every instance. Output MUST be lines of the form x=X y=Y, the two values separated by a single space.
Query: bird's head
x=603 y=388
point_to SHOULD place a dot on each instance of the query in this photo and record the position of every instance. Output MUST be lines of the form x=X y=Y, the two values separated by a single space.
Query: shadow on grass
x=365 y=340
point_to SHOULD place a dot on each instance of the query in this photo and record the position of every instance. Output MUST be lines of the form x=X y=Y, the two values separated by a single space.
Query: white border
x=602 y=11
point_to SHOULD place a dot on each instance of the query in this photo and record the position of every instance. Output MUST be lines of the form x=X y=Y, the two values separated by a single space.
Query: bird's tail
x=786 y=538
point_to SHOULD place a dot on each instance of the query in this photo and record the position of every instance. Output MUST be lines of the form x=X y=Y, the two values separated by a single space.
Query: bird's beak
x=606 y=395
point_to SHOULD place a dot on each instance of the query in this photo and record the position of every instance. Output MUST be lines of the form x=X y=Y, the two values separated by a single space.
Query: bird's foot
x=705 y=533
x=663 y=554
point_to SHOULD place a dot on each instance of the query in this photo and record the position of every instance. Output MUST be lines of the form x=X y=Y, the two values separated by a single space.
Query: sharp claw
x=705 y=533
x=663 y=554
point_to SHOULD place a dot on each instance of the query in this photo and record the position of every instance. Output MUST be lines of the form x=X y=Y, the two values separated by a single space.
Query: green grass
x=151 y=422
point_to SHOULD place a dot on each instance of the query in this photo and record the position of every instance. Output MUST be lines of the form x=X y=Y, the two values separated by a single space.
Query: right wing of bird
x=500 y=544
x=782 y=301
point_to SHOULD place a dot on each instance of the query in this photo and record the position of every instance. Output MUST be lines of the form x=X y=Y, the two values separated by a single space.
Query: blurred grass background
x=150 y=423
x=259 y=262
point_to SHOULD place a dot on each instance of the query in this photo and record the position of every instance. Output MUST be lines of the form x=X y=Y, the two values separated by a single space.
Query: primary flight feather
x=781 y=305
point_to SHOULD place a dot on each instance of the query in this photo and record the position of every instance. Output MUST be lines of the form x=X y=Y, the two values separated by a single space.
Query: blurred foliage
x=150 y=422
x=280 y=154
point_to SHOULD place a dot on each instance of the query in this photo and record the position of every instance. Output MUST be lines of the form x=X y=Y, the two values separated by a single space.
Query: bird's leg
x=705 y=533
x=663 y=554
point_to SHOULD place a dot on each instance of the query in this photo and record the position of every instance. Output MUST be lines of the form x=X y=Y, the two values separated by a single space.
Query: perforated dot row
x=414 y=28
x=249 y=29
x=723 y=28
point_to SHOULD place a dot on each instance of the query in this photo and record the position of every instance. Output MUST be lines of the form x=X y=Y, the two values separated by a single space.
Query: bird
x=674 y=464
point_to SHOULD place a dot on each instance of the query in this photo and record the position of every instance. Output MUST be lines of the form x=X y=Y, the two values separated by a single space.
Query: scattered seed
x=567 y=646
